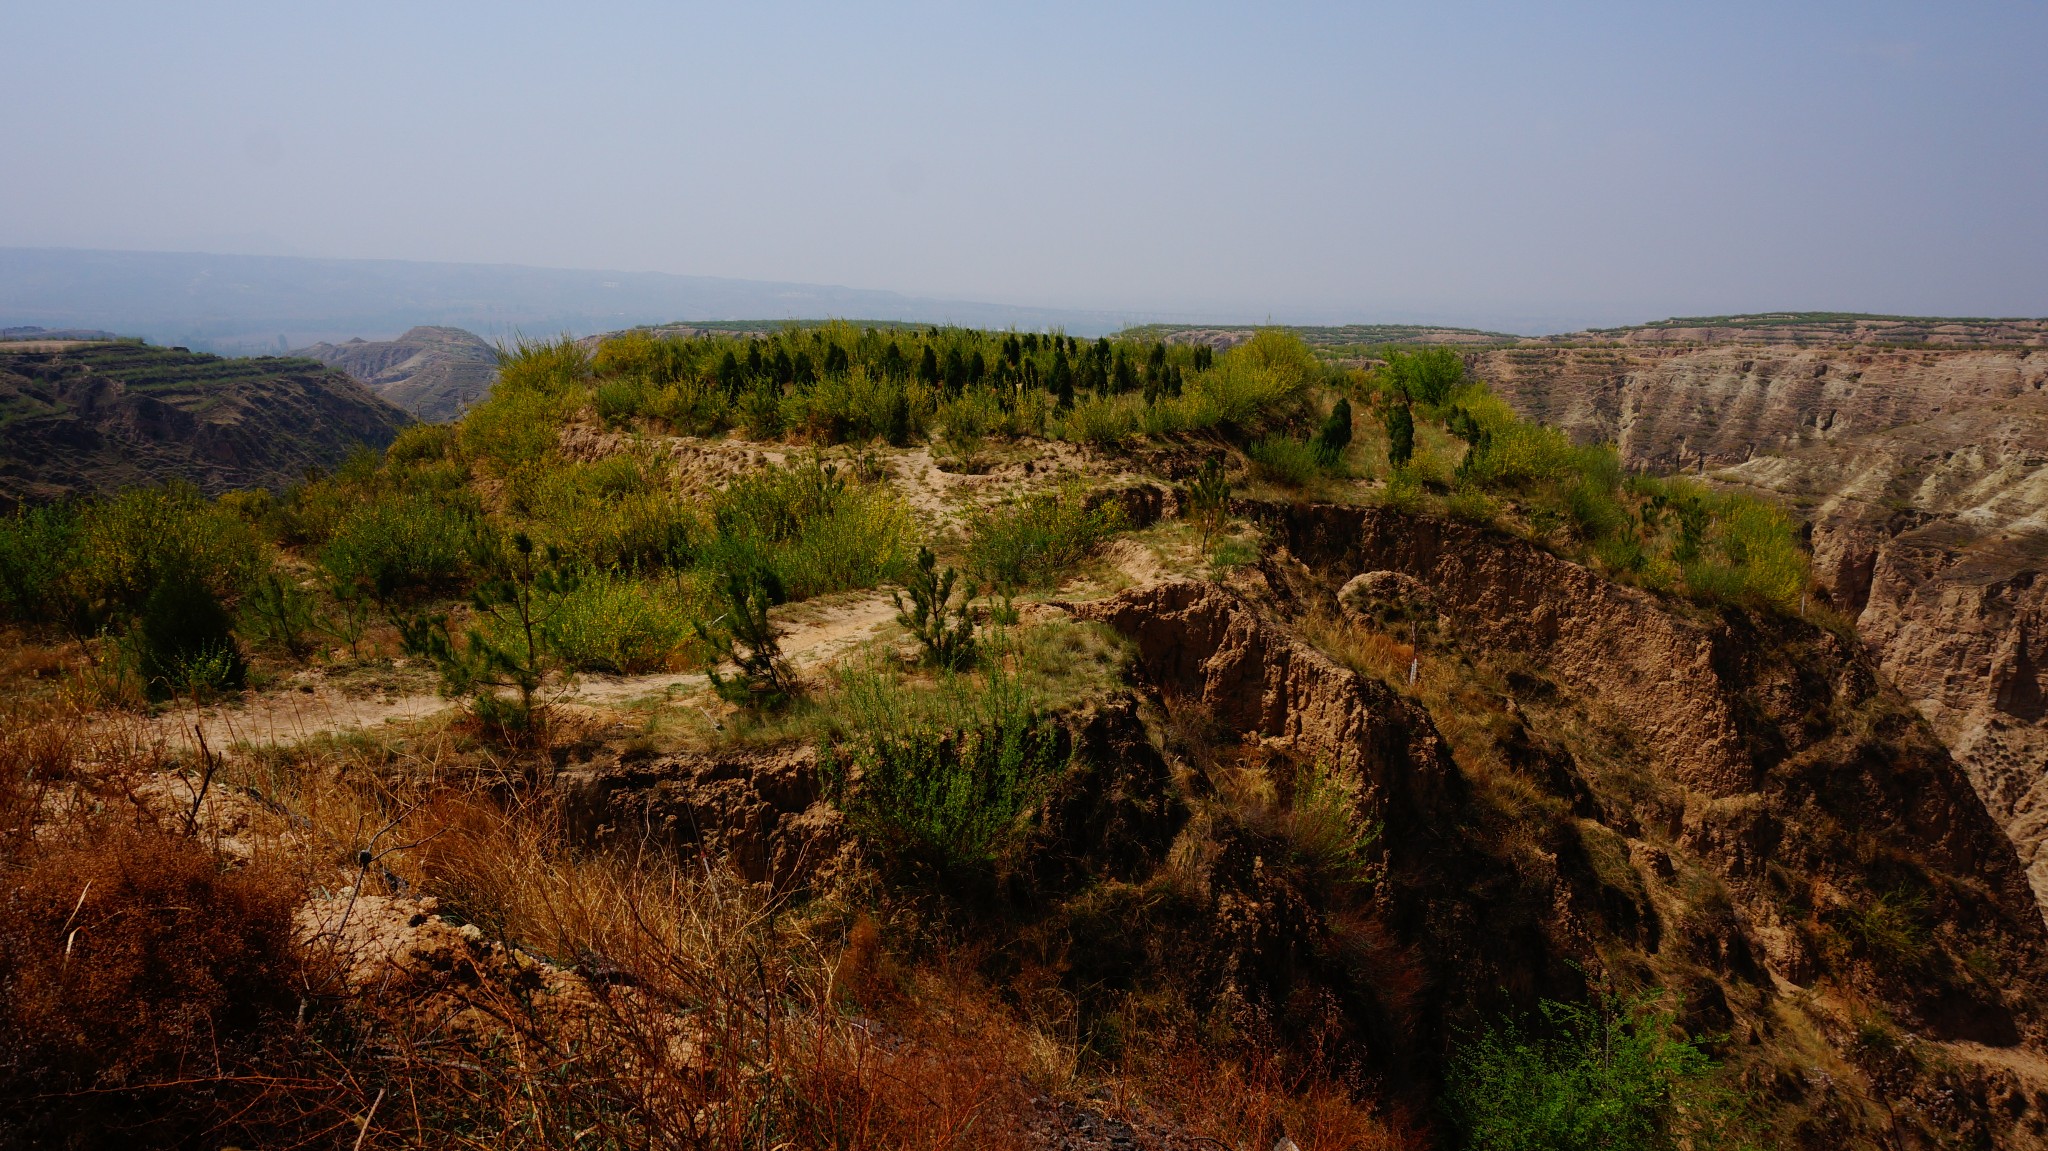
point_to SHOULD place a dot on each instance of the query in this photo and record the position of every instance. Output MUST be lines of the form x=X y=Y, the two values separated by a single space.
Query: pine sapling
x=948 y=645
x=744 y=637
x=1209 y=502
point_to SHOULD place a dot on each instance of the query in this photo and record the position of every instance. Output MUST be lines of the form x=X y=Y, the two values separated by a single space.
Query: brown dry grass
x=614 y=999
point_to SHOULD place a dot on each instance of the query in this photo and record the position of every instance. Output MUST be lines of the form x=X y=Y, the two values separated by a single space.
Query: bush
x=404 y=544
x=1606 y=1077
x=540 y=385
x=1285 y=460
x=1035 y=540
x=37 y=548
x=942 y=774
x=184 y=640
x=609 y=623
x=129 y=543
x=809 y=530
x=1428 y=376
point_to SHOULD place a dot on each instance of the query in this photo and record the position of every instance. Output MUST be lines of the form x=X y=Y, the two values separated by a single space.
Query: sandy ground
x=816 y=633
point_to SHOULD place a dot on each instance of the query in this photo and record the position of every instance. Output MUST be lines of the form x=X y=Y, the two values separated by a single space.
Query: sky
x=1515 y=166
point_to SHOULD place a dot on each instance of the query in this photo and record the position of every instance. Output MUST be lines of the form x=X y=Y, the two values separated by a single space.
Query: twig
x=367 y=1118
x=206 y=757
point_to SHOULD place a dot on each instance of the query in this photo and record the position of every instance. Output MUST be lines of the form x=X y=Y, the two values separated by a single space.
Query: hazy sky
x=1519 y=165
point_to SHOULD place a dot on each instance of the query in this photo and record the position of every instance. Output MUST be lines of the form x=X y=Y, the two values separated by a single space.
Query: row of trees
x=949 y=360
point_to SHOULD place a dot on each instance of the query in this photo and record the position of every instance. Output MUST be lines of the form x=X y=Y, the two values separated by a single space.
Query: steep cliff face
x=1589 y=784
x=99 y=416
x=1925 y=477
x=432 y=372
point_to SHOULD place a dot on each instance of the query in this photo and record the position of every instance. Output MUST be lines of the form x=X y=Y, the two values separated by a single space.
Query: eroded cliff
x=1924 y=474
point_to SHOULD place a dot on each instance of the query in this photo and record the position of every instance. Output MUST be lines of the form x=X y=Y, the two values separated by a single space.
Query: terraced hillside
x=99 y=416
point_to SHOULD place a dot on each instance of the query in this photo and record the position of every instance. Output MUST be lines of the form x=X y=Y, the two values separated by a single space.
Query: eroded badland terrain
x=853 y=737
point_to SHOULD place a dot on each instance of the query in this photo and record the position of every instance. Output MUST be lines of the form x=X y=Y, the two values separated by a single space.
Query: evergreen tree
x=1400 y=435
x=928 y=366
x=1123 y=377
x=1062 y=379
x=729 y=373
x=1335 y=434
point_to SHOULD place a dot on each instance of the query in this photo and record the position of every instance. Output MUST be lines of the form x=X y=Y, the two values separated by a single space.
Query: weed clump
x=1611 y=1075
x=1033 y=541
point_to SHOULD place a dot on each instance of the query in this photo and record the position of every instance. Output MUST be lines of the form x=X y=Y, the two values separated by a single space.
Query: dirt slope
x=1925 y=476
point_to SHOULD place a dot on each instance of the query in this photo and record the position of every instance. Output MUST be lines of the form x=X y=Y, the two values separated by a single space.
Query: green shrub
x=1427 y=376
x=1244 y=393
x=184 y=641
x=37 y=549
x=810 y=530
x=420 y=444
x=1606 y=1077
x=1033 y=541
x=540 y=385
x=942 y=774
x=404 y=544
x=610 y=623
x=1285 y=460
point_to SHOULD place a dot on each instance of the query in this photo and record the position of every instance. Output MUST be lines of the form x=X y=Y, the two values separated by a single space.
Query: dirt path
x=816 y=633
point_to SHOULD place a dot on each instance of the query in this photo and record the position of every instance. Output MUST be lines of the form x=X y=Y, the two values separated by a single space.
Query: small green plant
x=948 y=645
x=510 y=648
x=350 y=618
x=745 y=637
x=1285 y=460
x=278 y=613
x=1612 y=1075
x=1035 y=540
x=1209 y=501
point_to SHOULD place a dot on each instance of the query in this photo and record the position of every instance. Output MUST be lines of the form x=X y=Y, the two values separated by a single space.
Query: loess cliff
x=1924 y=475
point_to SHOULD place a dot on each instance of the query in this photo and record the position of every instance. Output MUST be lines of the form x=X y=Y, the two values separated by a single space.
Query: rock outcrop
x=1924 y=475
x=102 y=416
x=434 y=373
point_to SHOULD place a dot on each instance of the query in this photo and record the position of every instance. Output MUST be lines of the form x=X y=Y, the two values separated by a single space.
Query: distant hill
x=1805 y=329
x=1801 y=329
x=40 y=335
x=259 y=304
x=433 y=372
x=98 y=416
x=1321 y=335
